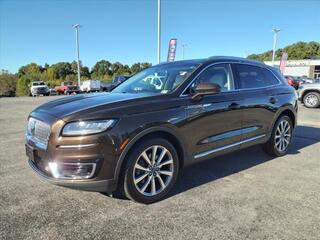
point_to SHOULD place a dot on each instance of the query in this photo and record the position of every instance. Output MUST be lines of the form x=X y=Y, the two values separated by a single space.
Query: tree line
x=296 y=51
x=19 y=84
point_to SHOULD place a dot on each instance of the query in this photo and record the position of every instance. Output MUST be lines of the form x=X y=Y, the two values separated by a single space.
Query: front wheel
x=311 y=100
x=151 y=171
x=280 y=138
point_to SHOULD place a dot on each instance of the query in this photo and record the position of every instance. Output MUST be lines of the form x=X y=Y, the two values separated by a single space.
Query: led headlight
x=87 y=127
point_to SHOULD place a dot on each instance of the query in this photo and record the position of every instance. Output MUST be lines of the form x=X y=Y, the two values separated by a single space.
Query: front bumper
x=39 y=91
x=86 y=185
x=73 y=91
x=99 y=149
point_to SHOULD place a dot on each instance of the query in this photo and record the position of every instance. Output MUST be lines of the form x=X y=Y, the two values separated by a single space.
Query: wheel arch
x=163 y=132
x=305 y=92
x=286 y=112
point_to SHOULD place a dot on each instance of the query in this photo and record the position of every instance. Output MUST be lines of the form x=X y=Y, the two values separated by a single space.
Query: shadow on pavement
x=226 y=165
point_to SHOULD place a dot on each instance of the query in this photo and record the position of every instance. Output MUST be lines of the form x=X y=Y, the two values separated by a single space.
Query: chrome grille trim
x=38 y=132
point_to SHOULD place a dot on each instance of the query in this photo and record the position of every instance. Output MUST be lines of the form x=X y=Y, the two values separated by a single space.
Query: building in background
x=309 y=68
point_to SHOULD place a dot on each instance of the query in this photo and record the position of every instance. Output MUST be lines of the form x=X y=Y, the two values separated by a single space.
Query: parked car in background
x=118 y=80
x=53 y=92
x=90 y=86
x=39 y=88
x=105 y=86
x=292 y=81
x=136 y=139
x=67 y=88
x=309 y=94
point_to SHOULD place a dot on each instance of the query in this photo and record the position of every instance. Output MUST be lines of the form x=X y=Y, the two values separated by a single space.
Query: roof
x=213 y=59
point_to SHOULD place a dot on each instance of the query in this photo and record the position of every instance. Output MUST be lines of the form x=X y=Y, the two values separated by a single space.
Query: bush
x=23 y=86
x=8 y=84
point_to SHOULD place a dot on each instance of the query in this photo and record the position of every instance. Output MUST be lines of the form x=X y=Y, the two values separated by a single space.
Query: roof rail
x=240 y=59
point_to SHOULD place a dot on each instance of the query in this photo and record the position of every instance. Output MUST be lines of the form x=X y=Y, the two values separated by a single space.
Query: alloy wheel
x=153 y=170
x=311 y=100
x=283 y=136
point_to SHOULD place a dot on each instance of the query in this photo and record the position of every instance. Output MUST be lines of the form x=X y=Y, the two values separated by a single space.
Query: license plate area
x=30 y=152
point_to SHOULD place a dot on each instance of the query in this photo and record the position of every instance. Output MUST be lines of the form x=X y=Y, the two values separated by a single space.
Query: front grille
x=38 y=131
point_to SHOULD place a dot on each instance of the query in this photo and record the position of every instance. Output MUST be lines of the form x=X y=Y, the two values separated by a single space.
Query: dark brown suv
x=135 y=139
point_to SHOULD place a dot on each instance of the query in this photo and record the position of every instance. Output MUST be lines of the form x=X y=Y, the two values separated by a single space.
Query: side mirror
x=205 y=89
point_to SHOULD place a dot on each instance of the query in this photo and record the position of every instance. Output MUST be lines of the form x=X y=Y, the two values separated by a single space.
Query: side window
x=254 y=77
x=219 y=74
x=269 y=77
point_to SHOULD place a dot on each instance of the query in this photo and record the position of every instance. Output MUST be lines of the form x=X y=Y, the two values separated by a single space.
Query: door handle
x=272 y=100
x=234 y=106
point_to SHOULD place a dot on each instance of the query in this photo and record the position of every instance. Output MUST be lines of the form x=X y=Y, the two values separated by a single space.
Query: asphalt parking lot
x=243 y=195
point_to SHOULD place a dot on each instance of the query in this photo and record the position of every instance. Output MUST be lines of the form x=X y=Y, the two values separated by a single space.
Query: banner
x=283 y=62
x=172 y=50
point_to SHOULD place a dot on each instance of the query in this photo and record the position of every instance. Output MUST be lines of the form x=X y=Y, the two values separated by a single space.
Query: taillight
x=291 y=82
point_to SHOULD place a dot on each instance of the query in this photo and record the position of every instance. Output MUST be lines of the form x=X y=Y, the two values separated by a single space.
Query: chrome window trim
x=203 y=154
x=236 y=90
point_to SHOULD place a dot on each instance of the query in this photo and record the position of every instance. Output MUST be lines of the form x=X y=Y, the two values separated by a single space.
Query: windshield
x=38 y=84
x=160 y=79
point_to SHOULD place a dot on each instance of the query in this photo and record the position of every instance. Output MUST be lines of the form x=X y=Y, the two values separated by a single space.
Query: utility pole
x=184 y=45
x=76 y=27
x=159 y=31
x=275 y=30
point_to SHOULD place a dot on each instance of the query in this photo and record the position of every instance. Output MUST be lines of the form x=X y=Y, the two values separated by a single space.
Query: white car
x=90 y=86
x=39 y=88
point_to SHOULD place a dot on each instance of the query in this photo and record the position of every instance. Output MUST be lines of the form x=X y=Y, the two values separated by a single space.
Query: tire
x=144 y=183
x=311 y=100
x=280 y=138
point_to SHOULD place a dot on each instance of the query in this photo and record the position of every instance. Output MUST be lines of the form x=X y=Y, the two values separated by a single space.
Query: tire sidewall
x=129 y=187
x=272 y=139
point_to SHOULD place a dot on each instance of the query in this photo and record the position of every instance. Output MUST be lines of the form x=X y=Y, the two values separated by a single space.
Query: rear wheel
x=311 y=100
x=280 y=138
x=151 y=171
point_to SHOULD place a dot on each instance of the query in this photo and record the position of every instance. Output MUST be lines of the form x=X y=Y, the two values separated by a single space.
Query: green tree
x=62 y=69
x=31 y=68
x=296 y=51
x=101 y=68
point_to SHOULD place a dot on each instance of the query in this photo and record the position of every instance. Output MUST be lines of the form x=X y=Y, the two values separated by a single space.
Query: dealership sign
x=172 y=50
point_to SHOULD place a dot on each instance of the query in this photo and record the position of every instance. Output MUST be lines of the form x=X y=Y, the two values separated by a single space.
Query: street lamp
x=275 y=30
x=76 y=27
x=184 y=45
x=159 y=30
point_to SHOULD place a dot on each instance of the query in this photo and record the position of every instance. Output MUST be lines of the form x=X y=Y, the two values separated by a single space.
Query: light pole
x=275 y=30
x=159 y=30
x=184 y=45
x=76 y=27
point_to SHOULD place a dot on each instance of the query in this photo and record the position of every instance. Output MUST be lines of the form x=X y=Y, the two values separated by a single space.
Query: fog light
x=72 y=170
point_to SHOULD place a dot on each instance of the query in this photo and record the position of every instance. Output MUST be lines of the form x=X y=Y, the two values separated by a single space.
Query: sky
x=41 y=31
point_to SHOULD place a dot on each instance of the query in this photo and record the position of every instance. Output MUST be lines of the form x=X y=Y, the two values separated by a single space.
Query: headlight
x=87 y=127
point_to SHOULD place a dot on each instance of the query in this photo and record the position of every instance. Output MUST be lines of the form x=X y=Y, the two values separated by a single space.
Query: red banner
x=172 y=50
x=283 y=62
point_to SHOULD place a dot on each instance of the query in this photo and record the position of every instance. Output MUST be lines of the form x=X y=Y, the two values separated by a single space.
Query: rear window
x=254 y=77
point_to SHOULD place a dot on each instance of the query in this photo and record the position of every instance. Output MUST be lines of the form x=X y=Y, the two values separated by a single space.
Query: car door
x=257 y=85
x=214 y=121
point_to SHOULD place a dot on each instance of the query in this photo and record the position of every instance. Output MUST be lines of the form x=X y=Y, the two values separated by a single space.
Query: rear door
x=256 y=85
x=215 y=121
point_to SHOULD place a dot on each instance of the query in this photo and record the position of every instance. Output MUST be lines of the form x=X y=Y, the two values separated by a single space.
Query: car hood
x=67 y=106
